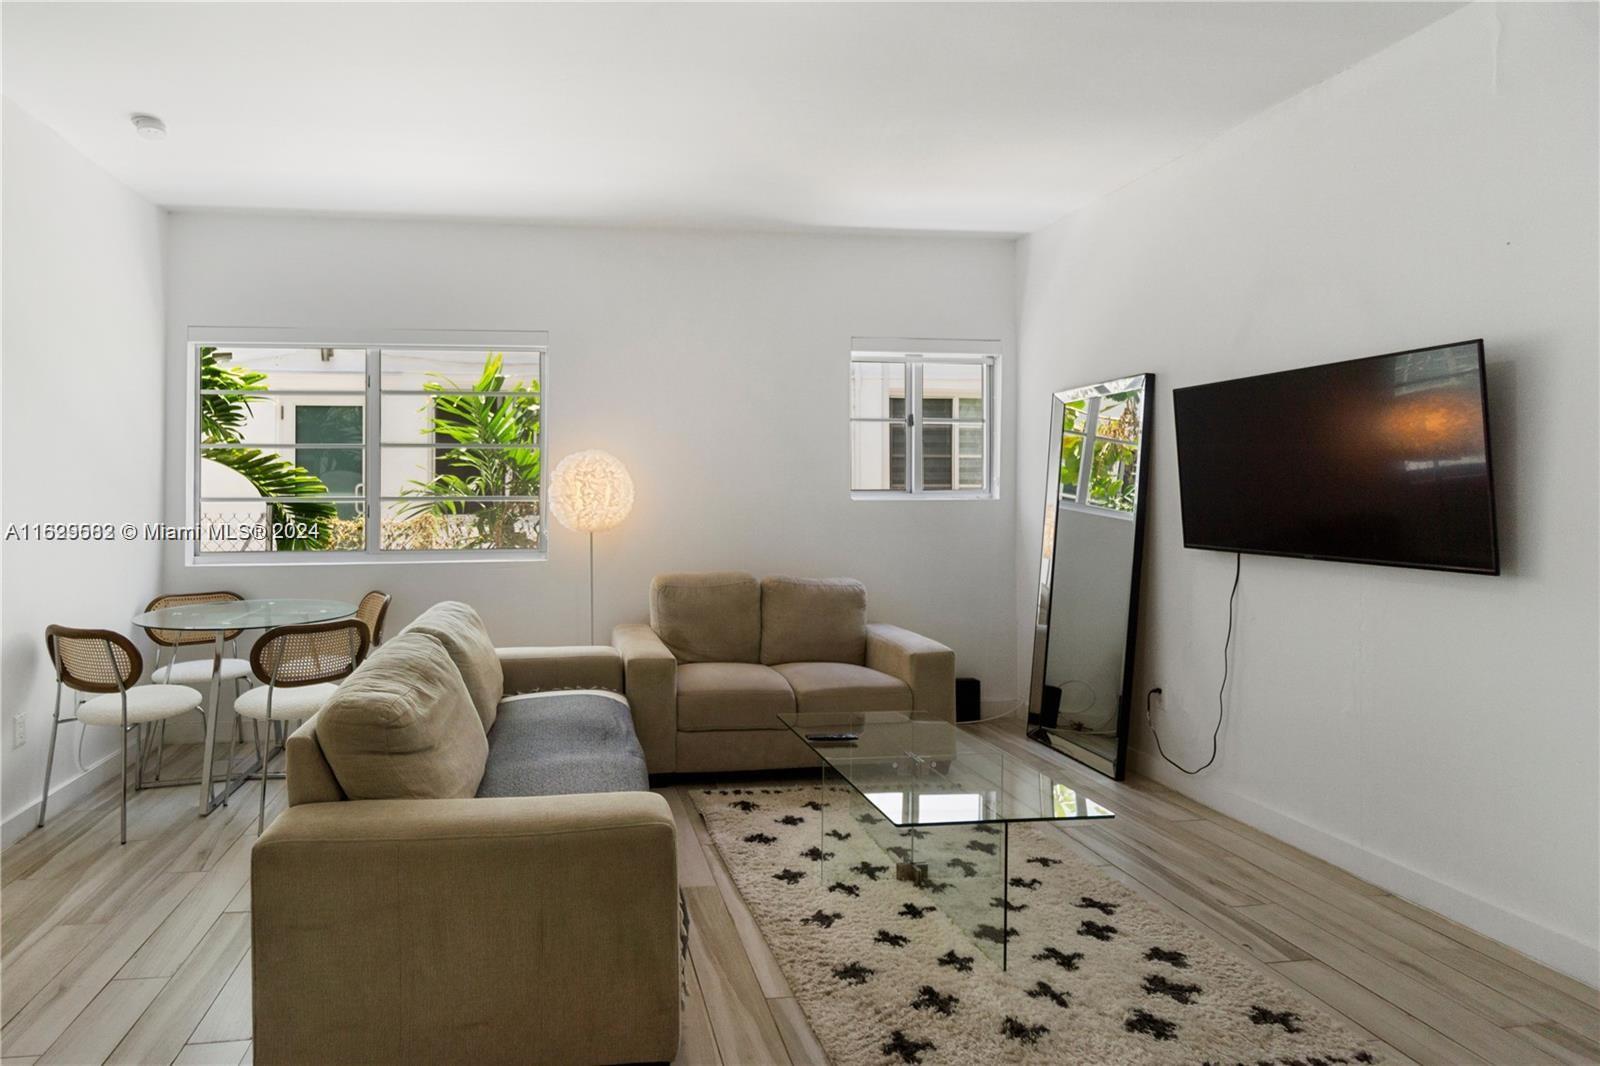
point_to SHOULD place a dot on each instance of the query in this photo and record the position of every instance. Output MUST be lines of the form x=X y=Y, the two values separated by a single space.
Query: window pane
x=252 y=472
x=1071 y=464
x=970 y=466
x=877 y=390
x=456 y=471
x=937 y=466
x=877 y=456
x=1073 y=416
x=480 y=370
x=452 y=525
x=467 y=419
x=308 y=525
x=1113 y=479
x=943 y=384
x=1119 y=416
x=280 y=369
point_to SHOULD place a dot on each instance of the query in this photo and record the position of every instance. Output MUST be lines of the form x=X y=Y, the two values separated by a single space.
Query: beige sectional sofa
x=416 y=903
x=724 y=655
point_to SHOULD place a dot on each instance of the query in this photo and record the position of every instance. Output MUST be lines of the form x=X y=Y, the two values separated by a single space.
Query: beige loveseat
x=724 y=656
x=401 y=914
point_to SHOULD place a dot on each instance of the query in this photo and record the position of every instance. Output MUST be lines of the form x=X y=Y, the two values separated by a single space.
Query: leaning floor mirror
x=1089 y=572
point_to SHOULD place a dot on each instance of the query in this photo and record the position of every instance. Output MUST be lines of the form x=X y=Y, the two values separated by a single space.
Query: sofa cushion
x=561 y=743
x=731 y=696
x=829 y=687
x=462 y=632
x=818 y=620
x=708 y=618
x=403 y=726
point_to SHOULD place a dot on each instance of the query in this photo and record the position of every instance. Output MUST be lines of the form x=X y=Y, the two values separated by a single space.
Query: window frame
x=372 y=500
x=915 y=355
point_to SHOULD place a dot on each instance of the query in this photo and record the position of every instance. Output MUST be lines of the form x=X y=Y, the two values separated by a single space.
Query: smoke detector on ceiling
x=149 y=127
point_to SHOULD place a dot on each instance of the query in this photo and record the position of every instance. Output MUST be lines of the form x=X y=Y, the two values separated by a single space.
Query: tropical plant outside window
x=368 y=450
x=1108 y=428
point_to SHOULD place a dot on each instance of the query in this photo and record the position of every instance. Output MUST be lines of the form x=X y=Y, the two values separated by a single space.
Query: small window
x=920 y=420
x=376 y=451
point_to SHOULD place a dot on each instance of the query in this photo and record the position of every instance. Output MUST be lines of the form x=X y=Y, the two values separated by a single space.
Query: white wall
x=1435 y=733
x=82 y=437
x=714 y=364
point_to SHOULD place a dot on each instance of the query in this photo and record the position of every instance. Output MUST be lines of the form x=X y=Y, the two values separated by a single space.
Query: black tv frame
x=1488 y=456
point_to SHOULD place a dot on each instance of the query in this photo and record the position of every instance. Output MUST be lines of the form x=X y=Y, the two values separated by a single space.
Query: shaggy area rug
x=1096 y=974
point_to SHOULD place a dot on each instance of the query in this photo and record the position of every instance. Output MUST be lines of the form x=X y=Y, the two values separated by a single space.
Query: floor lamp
x=591 y=492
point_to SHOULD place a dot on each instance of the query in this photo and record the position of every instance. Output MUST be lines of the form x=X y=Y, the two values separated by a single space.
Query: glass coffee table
x=940 y=803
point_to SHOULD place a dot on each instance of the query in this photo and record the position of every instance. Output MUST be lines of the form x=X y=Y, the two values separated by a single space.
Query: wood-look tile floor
x=141 y=954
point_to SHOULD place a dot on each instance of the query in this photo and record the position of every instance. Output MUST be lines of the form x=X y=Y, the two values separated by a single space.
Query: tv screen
x=1381 y=460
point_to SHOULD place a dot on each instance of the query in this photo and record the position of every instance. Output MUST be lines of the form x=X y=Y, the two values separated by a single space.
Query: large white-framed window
x=922 y=418
x=311 y=447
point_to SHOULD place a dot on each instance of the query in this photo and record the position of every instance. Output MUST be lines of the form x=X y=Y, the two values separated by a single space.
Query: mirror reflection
x=1089 y=570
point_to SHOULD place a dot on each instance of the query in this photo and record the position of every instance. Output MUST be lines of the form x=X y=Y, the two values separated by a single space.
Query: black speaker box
x=968 y=699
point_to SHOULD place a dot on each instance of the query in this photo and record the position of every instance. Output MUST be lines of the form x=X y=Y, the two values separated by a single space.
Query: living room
x=607 y=496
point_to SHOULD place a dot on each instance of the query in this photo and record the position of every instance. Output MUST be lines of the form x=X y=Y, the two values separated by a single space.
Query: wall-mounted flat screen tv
x=1382 y=460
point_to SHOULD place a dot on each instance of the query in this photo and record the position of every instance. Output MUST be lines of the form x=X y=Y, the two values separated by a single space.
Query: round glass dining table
x=218 y=618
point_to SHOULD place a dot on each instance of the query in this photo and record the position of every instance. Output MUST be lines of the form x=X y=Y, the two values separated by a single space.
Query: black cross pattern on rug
x=867 y=819
x=930 y=998
x=868 y=870
x=1142 y=1021
x=1042 y=990
x=936 y=887
x=760 y=838
x=967 y=869
x=901 y=1046
x=1001 y=901
x=822 y=919
x=894 y=940
x=978 y=845
x=812 y=805
x=816 y=854
x=1097 y=930
x=1044 y=861
x=1029 y=883
x=788 y=876
x=1022 y=1032
x=982 y=827
x=911 y=910
x=1089 y=903
x=845 y=888
x=994 y=935
x=745 y=805
x=1172 y=958
x=791 y=819
x=1065 y=960
x=1286 y=1018
x=1157 y=985
x=853 y=973
x=835 y=834
x=914 y=834
x=962 y=963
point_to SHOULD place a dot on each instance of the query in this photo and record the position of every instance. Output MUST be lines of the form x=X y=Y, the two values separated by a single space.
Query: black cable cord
x=1238 y=562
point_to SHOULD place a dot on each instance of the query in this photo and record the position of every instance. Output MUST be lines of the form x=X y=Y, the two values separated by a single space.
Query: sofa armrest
x=650 y=680
x=542 y=669
x=927 y=667
x=537 y=929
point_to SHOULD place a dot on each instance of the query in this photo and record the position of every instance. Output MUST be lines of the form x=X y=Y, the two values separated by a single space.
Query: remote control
x=833 y=738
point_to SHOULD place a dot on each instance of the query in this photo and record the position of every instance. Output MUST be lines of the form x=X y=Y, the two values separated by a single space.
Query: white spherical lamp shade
x=591 y=491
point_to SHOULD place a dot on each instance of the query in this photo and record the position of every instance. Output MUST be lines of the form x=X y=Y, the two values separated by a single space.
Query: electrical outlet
x=19 y=730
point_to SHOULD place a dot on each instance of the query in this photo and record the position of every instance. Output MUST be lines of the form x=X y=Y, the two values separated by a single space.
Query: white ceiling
x=980 y=117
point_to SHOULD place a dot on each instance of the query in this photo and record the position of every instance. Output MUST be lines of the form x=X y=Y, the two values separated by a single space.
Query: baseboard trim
x=1555 y=949
x=64 y=795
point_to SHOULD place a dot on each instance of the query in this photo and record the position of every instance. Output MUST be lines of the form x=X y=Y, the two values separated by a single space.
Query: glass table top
x=244 y=614
x=926 y=771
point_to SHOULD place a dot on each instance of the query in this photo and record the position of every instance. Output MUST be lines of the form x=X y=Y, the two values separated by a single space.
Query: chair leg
x=124 y=796
x=233 y=750
x=50 y=756
x=261 y=814
x=161 y=748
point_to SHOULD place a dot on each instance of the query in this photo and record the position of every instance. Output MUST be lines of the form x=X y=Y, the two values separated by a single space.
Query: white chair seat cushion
x=146 y=703
x=301 y=701
x=198 y=672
